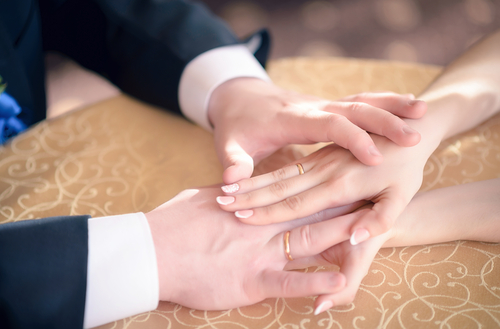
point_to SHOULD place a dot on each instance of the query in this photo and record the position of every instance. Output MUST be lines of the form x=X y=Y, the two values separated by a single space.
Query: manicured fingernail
x=230 y=188
x=359 y=236
x=409 y=130
x=243 y=213
x=323 y=307
x=374 y=151
x=225 y=200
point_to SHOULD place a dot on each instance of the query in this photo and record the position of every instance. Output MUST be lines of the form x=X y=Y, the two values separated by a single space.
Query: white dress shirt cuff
x=208 y=71
x=122 y=274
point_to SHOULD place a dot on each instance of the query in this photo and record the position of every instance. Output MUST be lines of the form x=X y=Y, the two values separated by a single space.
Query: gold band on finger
x=286 y=242
x=301 y=169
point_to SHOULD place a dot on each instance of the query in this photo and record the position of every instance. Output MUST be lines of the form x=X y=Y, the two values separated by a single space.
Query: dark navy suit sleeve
x=43 y=273
x=142 y=46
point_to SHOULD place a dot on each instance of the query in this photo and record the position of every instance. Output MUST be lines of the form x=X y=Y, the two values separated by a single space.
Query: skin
x=467 y=93
x=209 y=260
x=464 y=212
x=253 y=118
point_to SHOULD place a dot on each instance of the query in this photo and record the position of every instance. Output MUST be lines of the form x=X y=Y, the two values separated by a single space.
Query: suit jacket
x=140 y=45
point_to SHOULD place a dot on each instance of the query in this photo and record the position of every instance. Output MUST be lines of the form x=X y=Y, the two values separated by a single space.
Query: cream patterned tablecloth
x=123 y=156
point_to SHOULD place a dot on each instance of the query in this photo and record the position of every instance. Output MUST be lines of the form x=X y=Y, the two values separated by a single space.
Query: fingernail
x=413 y=102
x=409 y=130
x=323 y=307
x=359 y=236
x=230 y=188
x=410 y=96
x=243 y=213
x=225 y=200
x=374 y=151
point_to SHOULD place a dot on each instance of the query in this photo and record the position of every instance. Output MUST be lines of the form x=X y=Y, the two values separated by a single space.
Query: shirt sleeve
x=122 y=274
x=211 y=69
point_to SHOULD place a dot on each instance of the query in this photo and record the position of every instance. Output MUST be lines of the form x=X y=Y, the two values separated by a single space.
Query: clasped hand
x=252 y=119
x=222 y=263
x=261 y=118
x=332 y=178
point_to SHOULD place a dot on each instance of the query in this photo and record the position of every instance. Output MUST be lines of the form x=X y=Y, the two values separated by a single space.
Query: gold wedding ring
x=286 y=242
x=301 y=169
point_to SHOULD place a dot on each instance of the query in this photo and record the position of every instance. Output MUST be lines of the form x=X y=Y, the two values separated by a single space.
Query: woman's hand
x=461 y=212
x=209 y=260
x=353 y=261
x=253 y=118
x=332 y=178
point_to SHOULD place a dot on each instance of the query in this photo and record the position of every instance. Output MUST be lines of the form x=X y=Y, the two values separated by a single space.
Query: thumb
x=237 y=163
x=379 y=219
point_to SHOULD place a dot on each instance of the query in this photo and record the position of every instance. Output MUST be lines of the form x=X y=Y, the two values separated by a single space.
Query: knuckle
x=356 y=107
x=286 y=285
x=306 y=239
x=384 y=223
x=244 y=198
x=326 y=168
x=279 y=174
x=293 y=203
x=247 y=184
x=269 y=213
x=279 y=188
x=334 y=119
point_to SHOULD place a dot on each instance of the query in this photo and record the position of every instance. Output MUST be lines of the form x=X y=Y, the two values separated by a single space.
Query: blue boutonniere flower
x=10 y=124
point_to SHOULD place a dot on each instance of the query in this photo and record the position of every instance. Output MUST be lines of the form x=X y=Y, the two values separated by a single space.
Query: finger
x=273 y=193
x=258 y=182
x=301 y=204
x=380 y=218
x=355 y=266
x=401 y=105
x=322 y=126
x=236 y=162
x=312 y=239
x=296 y=284
x=377 y=121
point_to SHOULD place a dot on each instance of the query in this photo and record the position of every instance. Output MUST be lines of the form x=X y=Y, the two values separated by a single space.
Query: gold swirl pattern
x=123 y=156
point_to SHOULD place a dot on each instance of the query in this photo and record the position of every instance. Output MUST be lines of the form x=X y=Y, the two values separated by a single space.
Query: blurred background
x=424 y=31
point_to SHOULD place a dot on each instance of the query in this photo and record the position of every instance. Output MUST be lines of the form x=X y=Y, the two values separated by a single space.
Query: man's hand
x=253 y=118
x=209 y=260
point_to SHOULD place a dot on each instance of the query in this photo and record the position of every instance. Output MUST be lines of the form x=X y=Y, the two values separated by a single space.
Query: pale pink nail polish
x=230 y=188
x=323 y=307
x=243 y=213
x=225 y=200
x=359 y=236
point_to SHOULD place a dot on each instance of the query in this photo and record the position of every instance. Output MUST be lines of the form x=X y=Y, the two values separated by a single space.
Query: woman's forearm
x=465 y=94
x=463 y=212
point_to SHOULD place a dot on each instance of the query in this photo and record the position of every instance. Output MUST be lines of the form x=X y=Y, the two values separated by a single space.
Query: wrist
x=154 y=219
x=433 y=130
x=225 y=99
